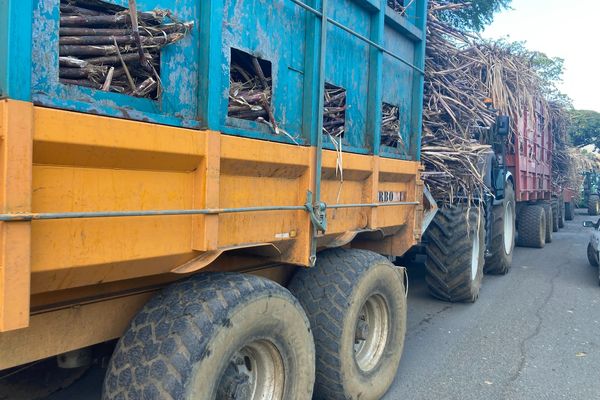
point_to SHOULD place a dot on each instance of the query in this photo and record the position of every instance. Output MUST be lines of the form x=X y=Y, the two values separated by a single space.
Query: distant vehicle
x=594 y=245
x=590 y=197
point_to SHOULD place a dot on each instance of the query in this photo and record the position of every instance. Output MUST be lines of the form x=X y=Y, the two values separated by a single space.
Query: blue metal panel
x=398 y=88
x=375 y=82
x=195 y=71
x=179 y=71
x=15 y=42
x=348 y=67
x=4 y=22
x=418 y=81
x=277 y=35
x=404 y=85
x=209 y=93
x=312 y=117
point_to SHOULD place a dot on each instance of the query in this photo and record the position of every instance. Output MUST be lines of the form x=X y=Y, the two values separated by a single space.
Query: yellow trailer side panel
x=60 y=161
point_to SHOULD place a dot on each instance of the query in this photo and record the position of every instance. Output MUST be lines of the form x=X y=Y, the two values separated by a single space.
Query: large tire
x=455 y=243
x=594 y=205
x=532 y=227
x=207 y=337
x=503 y=235
x=348 y=297
x=561 y=213
x=570 y=210
x=549 y=220
x=593 y=256
x=555 y=216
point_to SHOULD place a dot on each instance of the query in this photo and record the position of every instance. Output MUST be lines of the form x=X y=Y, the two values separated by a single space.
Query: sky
x=569 y=29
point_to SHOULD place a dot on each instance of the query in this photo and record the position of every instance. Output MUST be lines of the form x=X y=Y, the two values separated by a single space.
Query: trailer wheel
x=355 y=301
x=570 y=210
x=503 y=235
x=455 y=243
x=593 y=256
x=549 y=220
x=532 y=227
x=561 y=213
x=555 y=216
x=215 y=336
x=594 y=205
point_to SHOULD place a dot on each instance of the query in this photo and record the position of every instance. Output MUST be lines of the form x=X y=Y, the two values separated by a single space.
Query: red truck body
x=530 y=158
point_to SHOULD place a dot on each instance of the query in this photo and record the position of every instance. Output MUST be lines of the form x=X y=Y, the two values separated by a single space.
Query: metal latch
x=317 y=212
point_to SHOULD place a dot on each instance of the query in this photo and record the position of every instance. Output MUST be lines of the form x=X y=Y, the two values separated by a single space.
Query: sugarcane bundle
x=454 y=113
x=400 y=6
x=462 y=70
x=565 y=174
x=390 y=126
x=250 y=91
x=334 y=111
x=112 y=48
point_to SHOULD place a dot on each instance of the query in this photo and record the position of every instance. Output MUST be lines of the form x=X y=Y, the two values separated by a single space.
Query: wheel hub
x=362 y=329
x=255 y=372
x=371 y=332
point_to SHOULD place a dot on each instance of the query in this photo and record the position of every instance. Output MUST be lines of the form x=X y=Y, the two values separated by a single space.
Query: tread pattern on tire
x=570 y=210
x=154 y=359
x=499 y=263
x=532 y=227
x=555 y=215
x=549 y=220
x=449 y=250
x=593 y=204
x=335 y=274
x=561 y=213
x=593 y=257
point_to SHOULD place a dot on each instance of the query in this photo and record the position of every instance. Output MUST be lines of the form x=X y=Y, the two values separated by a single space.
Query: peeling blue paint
x=195 y=71
x=273 y=30
x=178 y=104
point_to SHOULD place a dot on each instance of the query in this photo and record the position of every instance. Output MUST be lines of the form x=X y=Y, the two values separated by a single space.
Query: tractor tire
x=549 y=220
x=532 y=227
x=503 y=235
x=215 y=336
x=356 y=304
x=570 y=210
x=555 y=216
x=594 y=205
x=455 y=245
x=561 y=213
x=593 y=256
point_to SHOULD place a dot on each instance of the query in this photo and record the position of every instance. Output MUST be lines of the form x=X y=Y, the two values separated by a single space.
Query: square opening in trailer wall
x=263 y=73
x=334 y=112
x=251 y=88
x=132 y=59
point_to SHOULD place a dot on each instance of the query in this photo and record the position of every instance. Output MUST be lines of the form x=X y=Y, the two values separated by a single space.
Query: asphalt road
x=533 y=334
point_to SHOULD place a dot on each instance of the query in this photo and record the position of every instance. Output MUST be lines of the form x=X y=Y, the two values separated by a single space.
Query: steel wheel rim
x=371 y=332
x=255 y=372
x=509 y=228
x=475 y=257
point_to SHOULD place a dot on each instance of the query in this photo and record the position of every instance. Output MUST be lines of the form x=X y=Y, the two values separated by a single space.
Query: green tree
x=475 y=16
x=585 y=128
